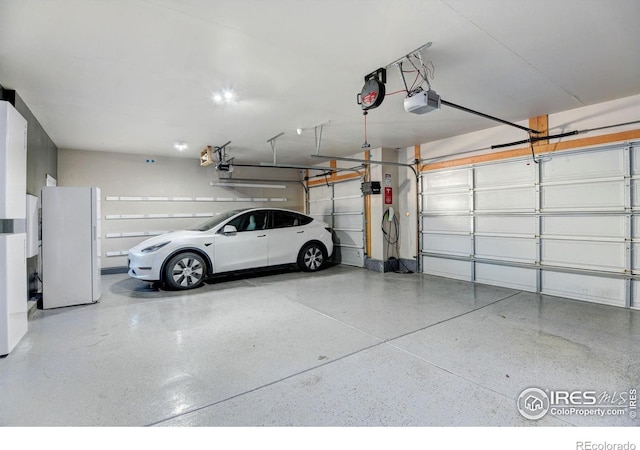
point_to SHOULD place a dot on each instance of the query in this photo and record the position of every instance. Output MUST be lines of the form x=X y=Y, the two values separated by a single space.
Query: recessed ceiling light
x=223 y=97
x=180 y=146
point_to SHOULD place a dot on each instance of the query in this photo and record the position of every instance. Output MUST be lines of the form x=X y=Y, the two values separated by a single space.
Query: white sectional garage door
x=565 y=226
x=341 y=205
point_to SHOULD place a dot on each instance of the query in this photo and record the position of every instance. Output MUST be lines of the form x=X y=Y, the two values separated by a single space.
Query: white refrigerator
x=70 y=246
x=13 y=211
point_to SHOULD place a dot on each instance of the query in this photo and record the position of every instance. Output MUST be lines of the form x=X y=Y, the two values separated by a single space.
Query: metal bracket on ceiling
x=272 y=141
x=318 y=135
x=417 y=53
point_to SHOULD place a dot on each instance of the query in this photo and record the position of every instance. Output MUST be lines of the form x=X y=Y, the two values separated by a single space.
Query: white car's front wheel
x=185 y=271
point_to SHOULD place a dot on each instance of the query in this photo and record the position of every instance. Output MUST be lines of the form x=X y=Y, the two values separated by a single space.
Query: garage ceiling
x=137 y=76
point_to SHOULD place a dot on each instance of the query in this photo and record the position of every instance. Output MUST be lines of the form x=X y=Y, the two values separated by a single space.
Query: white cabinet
x=13 y=290
x=13 y=259
x=70 y=246
x=13 y=162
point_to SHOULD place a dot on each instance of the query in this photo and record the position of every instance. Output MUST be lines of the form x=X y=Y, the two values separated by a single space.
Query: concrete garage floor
x=343 y=347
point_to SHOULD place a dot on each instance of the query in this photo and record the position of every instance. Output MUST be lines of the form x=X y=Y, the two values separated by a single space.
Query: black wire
x=402 y=76
x=386 y=235
x=533 y=154
x=395 y=240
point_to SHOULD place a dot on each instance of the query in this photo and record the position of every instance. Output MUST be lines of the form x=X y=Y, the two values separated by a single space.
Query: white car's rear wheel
x=311 y=257
x=185 y=271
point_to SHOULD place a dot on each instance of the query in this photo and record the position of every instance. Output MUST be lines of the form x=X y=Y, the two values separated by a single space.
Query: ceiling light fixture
x=224 y=96
x=180 y=146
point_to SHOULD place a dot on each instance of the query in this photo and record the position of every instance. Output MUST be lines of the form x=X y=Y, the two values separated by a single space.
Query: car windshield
x=215 y=220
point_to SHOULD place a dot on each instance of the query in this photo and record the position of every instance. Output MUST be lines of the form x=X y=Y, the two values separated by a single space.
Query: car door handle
x=262 y=235
x=300 y=232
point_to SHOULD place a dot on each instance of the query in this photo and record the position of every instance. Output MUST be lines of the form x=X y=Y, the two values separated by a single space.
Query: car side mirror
x=229 y=230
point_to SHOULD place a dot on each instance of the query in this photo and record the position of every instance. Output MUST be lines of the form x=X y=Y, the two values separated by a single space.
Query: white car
x=232 y=241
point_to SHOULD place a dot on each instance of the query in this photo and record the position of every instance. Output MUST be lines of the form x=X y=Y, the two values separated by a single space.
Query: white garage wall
x=136 y=192
x=408 y=210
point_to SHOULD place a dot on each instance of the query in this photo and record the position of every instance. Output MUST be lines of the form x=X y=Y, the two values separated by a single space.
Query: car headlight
x=153 y=248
